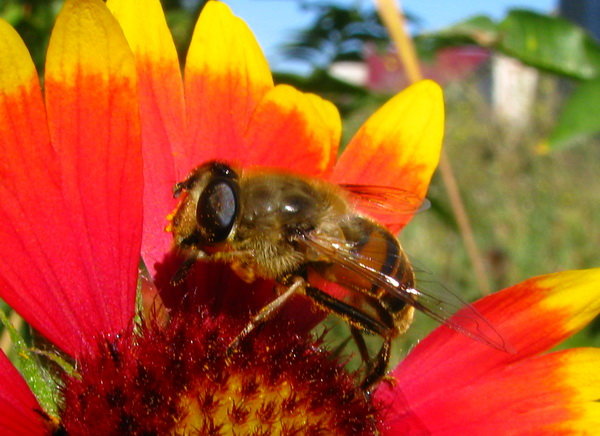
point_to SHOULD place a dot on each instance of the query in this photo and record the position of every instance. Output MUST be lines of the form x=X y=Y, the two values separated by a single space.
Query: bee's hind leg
x=267 y=312
x=378 y=368
x=359 y=340
x=361 y=322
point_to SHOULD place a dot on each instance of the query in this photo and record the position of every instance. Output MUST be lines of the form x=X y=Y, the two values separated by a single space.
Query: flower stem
x=464 y=224
x=392 y=16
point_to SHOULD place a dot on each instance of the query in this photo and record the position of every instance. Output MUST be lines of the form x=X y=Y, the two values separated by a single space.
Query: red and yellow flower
x=86 y=179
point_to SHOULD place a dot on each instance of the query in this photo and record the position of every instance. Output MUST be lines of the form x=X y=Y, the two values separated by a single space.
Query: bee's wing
x=442 y=305
x=386 y=203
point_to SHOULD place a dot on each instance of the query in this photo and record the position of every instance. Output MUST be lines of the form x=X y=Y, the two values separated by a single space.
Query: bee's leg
x=361 y=322
x=267 y=312
x=183 y=271
x=379 y=365
x=358 y=336
x=379 y=369
x=359 y=340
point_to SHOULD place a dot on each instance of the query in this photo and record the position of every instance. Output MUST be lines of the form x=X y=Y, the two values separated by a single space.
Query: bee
x=305 y=233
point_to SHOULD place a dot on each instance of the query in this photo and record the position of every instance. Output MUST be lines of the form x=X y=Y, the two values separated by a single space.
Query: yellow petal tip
x=85 y=37
x=574 y=293
x=16 y=67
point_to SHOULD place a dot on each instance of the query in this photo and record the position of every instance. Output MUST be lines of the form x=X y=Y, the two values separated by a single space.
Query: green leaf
x=37 y=378
x=549 y=43
x=580 y=117
x=479 y=29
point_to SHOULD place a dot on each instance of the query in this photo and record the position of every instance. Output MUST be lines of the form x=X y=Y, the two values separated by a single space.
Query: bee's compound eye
x=217 y=209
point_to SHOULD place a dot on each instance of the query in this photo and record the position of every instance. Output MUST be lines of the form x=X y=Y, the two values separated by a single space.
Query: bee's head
x=209 y=206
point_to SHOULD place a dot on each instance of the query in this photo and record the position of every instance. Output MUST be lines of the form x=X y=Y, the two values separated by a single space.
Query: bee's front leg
x=193 y=256
x=183 y=271
x=267 y=312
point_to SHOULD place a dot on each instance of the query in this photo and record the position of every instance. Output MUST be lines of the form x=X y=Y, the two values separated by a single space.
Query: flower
x=86 y=178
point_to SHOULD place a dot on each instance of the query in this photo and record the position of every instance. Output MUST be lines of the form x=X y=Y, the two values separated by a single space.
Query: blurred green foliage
x=545 y=42
x=337 y=33
x=542 y=41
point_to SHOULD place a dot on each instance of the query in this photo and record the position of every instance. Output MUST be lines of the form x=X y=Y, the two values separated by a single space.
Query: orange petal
x=532 y=317
x=293 y=130
x=162 y=114
x=19 y=407
x=551 y=394
x=226 y=75
x=93 y=116
x=399 y=145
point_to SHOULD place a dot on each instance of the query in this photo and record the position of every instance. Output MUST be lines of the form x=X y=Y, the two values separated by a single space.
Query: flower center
x=179 y=379
x=246 y=405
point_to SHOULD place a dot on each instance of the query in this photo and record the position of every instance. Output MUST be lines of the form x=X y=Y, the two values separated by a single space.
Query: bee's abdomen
x=380 y=250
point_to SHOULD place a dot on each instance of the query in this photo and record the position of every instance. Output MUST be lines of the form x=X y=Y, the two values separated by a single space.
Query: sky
x=273 y=21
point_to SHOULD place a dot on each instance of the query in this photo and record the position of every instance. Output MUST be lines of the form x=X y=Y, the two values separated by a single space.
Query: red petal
x=91 y=98
x=20 y=413
x=162 y=116
x=551 y=394
x=72 y=214
x=532 y=317
x=31 y=211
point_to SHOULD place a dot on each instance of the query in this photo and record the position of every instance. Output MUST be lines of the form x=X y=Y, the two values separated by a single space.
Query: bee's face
x=208 y=212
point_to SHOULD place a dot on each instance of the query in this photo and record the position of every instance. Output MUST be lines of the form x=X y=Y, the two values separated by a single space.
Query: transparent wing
x=385 y=202
x=441 y=304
